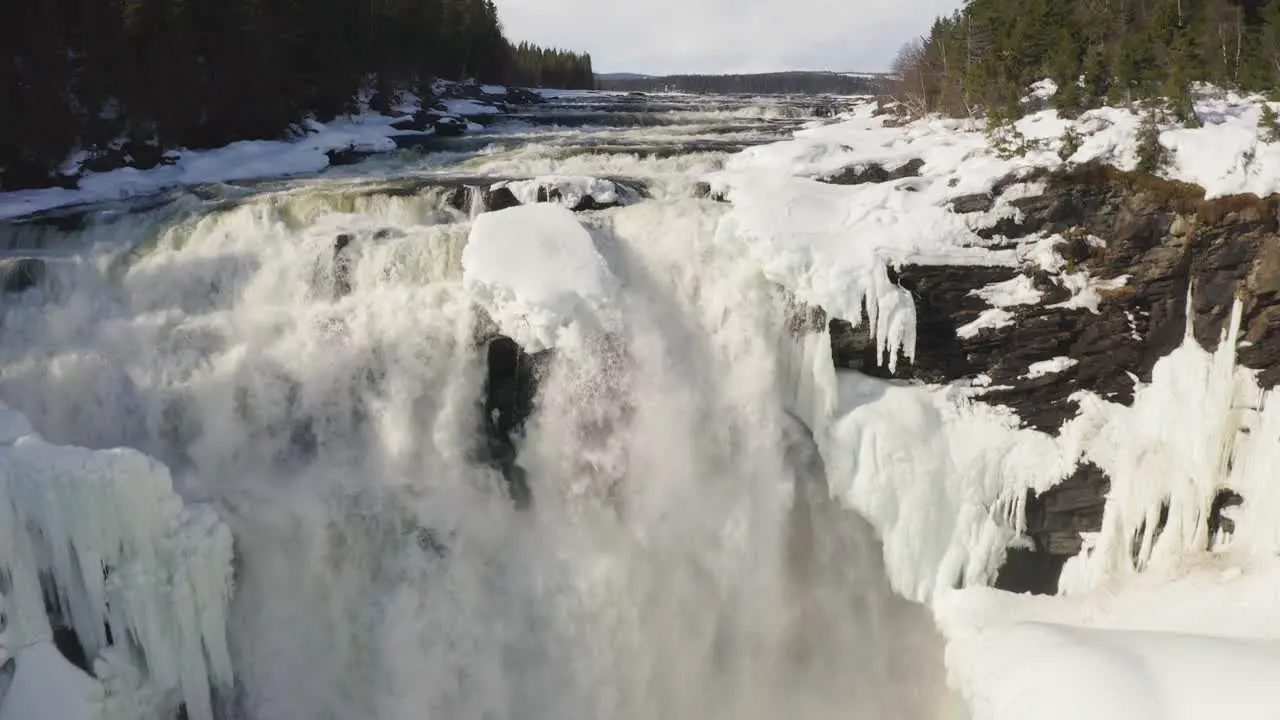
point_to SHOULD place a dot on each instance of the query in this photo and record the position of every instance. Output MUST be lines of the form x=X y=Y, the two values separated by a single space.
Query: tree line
x=549 y=67
x=782 y=83
x=981 y=59
x=202 y=73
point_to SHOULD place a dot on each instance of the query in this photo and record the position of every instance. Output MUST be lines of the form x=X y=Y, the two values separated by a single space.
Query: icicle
x=77 y=515
x=891 y=318
x=1168 y=456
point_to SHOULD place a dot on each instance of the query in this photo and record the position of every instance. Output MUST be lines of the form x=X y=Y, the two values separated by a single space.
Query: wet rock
x=450 y=127
x=491 y=199
x=421 y=121
x=342 y=265
x=347 y=156
x=412 y=141
x=862 y=174
x=521 y=96
x=1055 y=520
x=21 y=274
x=500 y=199
x=702 y=190
x=511 y=388
x=1225 y=501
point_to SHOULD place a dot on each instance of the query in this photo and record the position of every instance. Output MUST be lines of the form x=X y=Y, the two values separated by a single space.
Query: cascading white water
x=681 y=559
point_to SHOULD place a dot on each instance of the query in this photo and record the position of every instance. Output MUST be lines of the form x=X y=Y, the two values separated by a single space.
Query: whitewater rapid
x=681 y=558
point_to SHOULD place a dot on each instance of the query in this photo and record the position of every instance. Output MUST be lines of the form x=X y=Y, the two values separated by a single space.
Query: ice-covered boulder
x=538 y=274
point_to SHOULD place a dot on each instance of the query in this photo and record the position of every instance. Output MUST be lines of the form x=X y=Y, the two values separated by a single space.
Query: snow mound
x=538 y=274
x=1058 y=672
x=1203 y=639
x=106 y=535
x=47 y=687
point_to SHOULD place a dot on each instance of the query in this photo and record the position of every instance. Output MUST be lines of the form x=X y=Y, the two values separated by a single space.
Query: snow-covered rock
x=537 y=272
x=104 y=534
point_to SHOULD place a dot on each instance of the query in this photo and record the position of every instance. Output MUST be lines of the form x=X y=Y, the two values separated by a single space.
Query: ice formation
x=1165 y=473
x=119 y=549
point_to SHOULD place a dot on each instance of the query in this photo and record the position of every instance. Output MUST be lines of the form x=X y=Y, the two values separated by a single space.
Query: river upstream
x=654 y=540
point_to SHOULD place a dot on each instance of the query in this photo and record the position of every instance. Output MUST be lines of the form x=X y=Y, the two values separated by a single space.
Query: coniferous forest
x=982 y=58
x=202 y=73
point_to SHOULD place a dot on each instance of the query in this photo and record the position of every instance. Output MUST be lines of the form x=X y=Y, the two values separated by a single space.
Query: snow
x=245 y=160
x=992 y=319
x=47 y=687
x=1020 y=290
x=462 y=106
x=1201 y=639
x=538 y=274
x=493 y=89
x=67 y=513
x=1048 y=367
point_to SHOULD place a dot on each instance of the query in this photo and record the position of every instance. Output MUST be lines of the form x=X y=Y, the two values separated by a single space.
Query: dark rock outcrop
x=511 y=388
x=491 y=199
x=862 y=174
x=584 y=204
x=342 y=265
x=21 y=274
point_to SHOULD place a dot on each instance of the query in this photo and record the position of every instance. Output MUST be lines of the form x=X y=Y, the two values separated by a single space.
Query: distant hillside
x=781 y=83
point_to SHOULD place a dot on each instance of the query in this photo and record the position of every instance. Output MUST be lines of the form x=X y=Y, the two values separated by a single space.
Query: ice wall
x=104 y=533
x=1203 y=425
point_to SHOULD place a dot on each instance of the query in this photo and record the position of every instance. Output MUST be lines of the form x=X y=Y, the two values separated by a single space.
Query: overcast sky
x=731 y=36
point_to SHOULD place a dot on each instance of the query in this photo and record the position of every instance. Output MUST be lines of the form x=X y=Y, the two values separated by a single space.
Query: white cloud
x=668 y=36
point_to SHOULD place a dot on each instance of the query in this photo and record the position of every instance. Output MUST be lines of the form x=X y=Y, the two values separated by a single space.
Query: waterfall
x=681 y=558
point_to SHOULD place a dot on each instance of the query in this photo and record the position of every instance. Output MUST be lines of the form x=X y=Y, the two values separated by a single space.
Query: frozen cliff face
x=103 y=535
